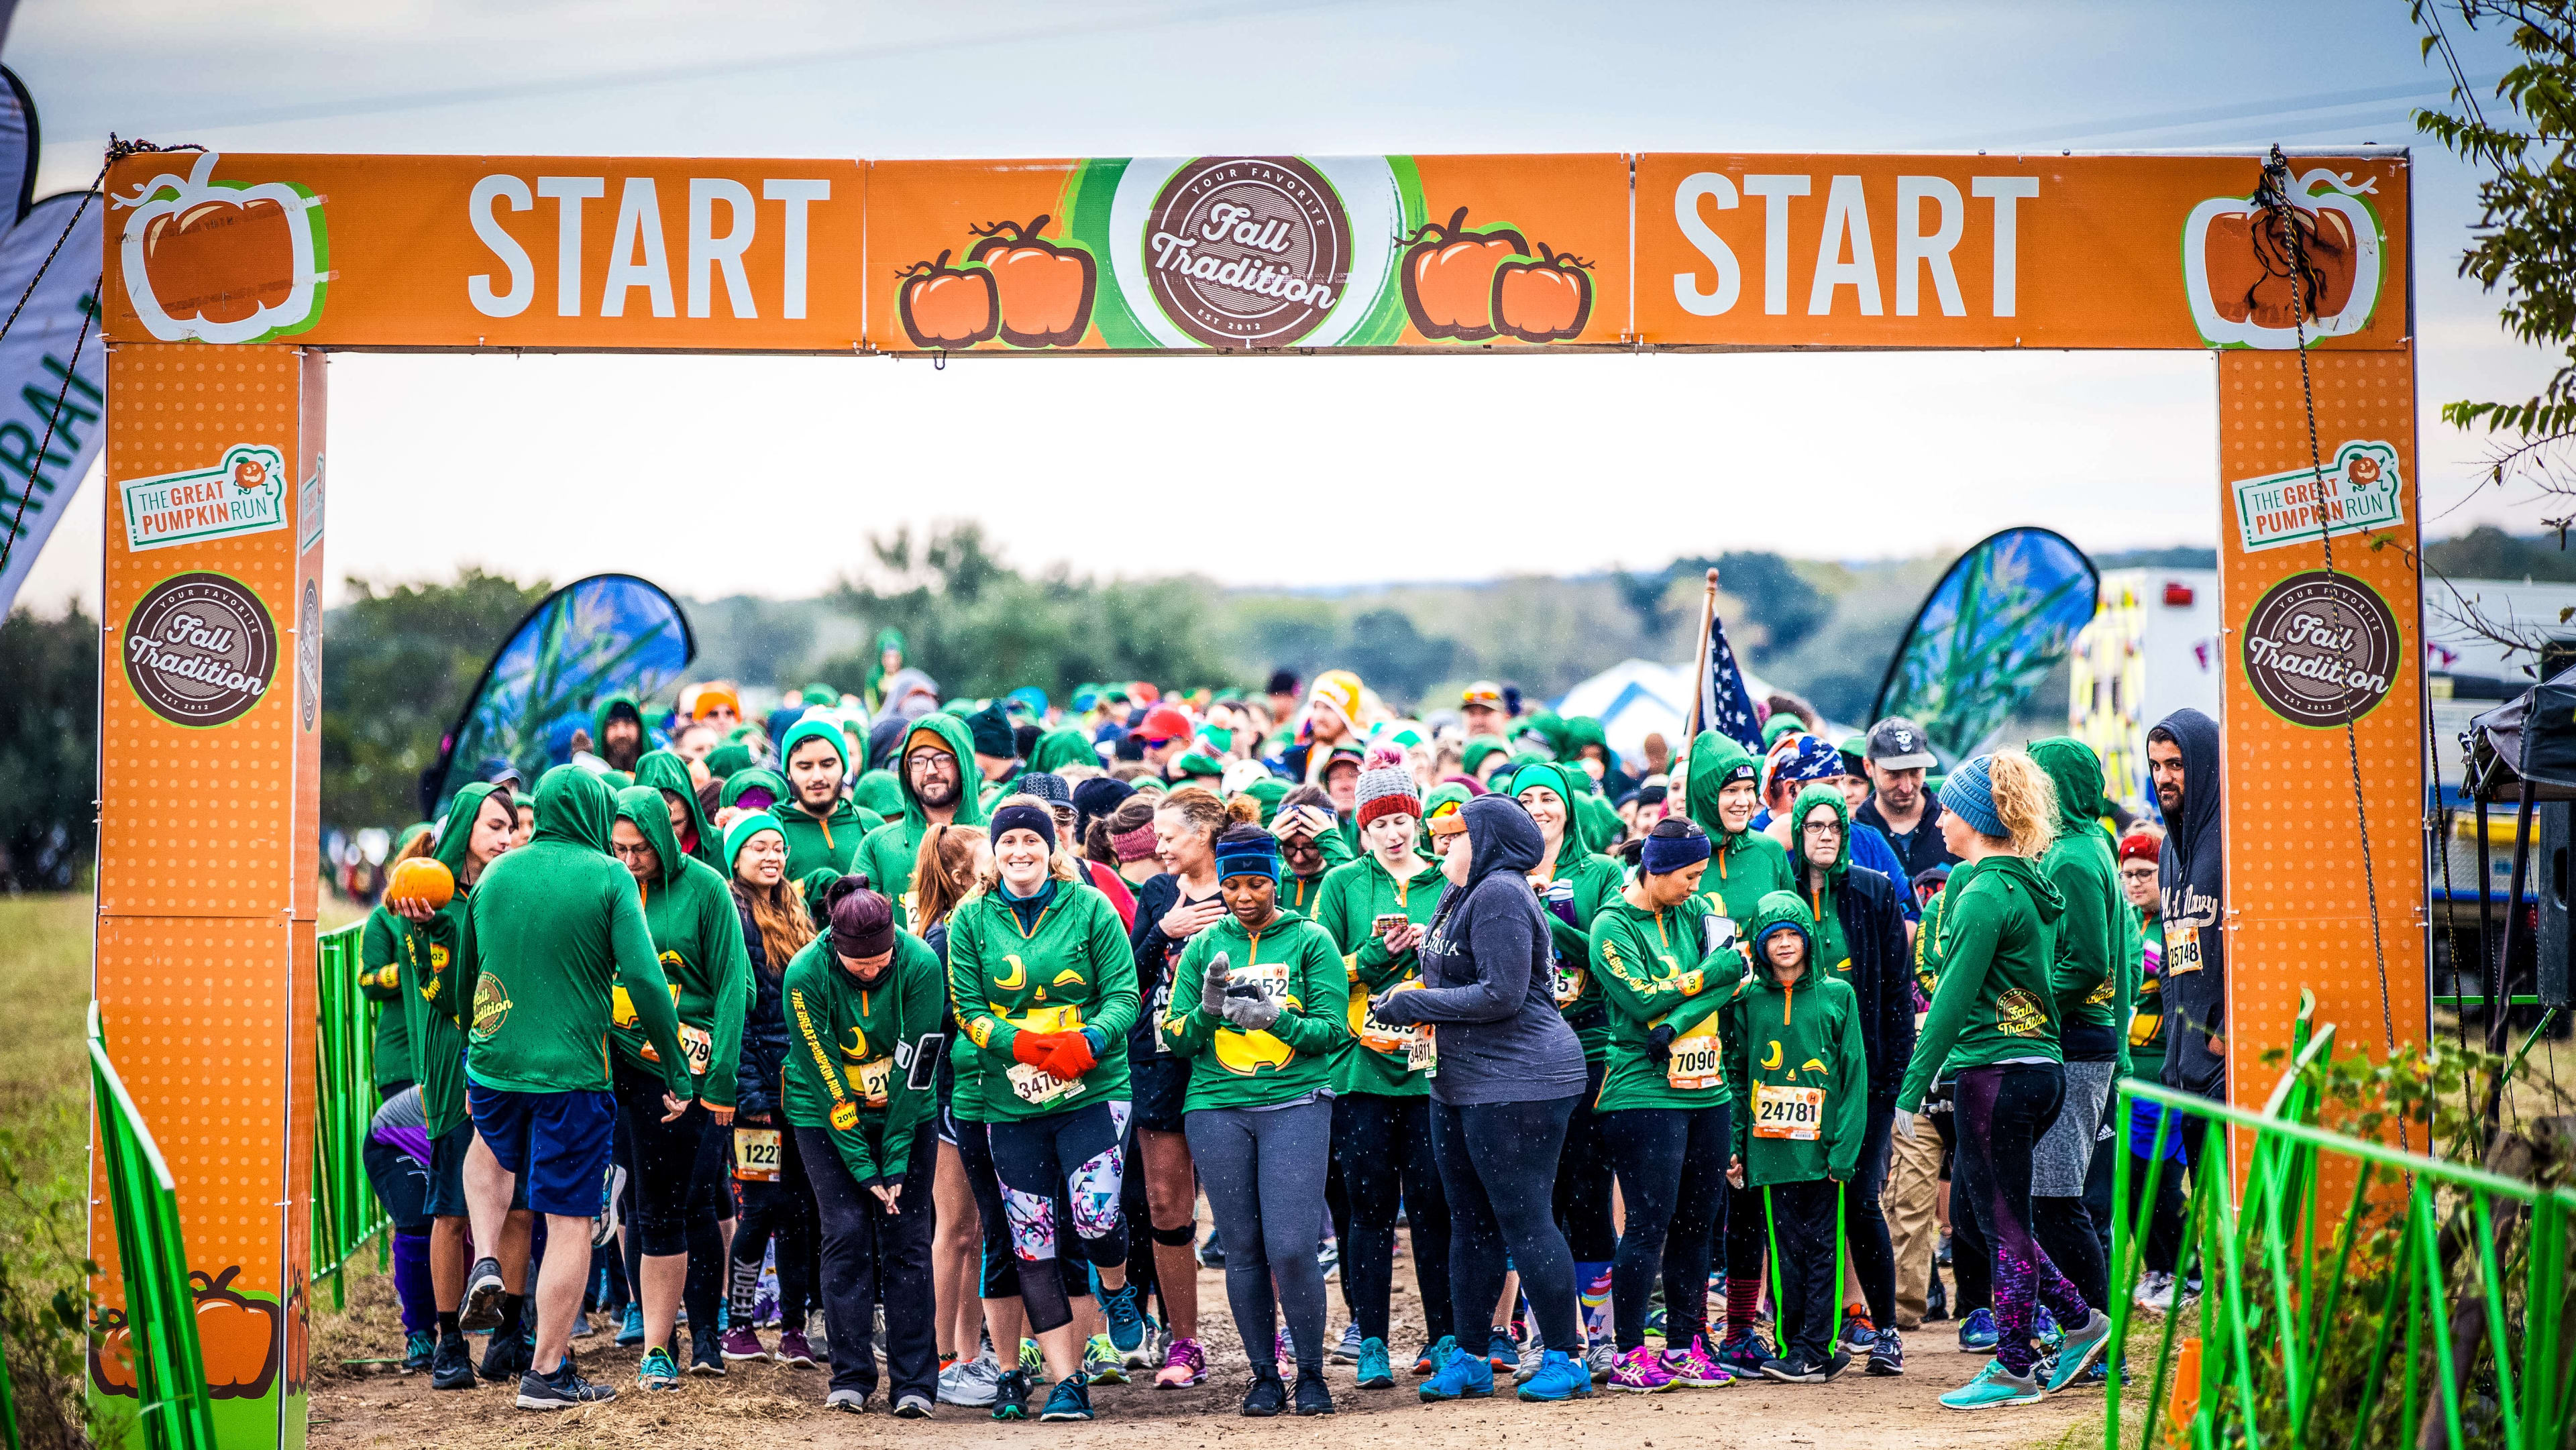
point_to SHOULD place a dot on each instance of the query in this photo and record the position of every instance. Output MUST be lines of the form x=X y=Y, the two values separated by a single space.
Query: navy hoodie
x=1488 y=987
x=2195 y=968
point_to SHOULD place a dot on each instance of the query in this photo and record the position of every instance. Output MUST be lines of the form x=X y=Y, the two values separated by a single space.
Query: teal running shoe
x=1559 y=1377
x=657 y=1372
x=1070 y=1400
x=1375 y=1373
x=1993 y=1387
x=1121 y=1307
x=2076 y=1353
x=1463 y=1376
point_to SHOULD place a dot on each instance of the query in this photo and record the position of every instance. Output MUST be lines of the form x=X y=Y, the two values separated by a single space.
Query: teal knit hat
x=739 y=834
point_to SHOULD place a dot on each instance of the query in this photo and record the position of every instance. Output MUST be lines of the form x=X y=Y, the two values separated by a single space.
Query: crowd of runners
x=940 y=1019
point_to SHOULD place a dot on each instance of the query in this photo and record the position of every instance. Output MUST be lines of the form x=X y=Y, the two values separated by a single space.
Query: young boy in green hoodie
x=678 y=1165
x=1801 y=1111
x=823 y=827
x=866 y=1004
x=933 y=765
x=553 y=929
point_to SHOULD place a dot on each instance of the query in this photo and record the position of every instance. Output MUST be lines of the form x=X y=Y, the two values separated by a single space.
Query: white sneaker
x=970 y=1383
x=1348 y=1350
x=2155 y=1292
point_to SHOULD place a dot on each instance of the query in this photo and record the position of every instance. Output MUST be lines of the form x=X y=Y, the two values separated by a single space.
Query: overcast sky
x=724 y=475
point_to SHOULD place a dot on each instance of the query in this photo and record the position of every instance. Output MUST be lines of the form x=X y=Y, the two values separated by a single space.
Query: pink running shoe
x=1184 y=1364
x=1695 y=1368
x=739 y=1343
x=1641 y=1372
x=794 y=1351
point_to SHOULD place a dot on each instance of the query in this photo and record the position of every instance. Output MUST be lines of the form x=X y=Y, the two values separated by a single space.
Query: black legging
x=1047 y=1166
x=1581 y=1200
x=872 y=1257
x=2002 y=1112
x=675 y=1176
x=1972 y=1259
x=1383 y=1148
x=1498 y=1163
x=1873 y=1259
x=784 y=1209
x=1671 y=1164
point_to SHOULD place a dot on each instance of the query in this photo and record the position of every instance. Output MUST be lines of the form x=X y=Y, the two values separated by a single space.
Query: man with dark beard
x=618 y=725
x=932 y=766
x=2182 y=760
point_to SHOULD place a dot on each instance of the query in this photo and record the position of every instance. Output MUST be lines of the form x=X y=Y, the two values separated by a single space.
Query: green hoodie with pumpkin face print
x=1069 y=969
x=553 y=929
x=892 y=850
x=1800 y=1069
x=697 y=934
x=1293 y=960
x=1744 y=866
x=431 y=1007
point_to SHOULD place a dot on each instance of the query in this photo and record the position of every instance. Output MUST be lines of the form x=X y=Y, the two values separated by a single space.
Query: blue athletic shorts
x=557 y=1143
x=447 y=1175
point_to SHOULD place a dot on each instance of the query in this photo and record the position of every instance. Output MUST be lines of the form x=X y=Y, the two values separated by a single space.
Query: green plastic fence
x=160 y=1327
x=345 y=1211
x=2423 y=1305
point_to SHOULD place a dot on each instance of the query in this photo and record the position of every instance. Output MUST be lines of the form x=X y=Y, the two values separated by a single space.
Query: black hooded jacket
x=1488 y=986
x=1881 y=976
x=2195 y=964
x=762 y=1065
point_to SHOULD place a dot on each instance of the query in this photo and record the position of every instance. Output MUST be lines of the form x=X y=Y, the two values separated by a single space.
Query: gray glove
x=1249 y=1008
x=1212 y=989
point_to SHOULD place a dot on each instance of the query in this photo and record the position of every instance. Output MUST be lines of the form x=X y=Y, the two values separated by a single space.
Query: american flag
x=1725 y=705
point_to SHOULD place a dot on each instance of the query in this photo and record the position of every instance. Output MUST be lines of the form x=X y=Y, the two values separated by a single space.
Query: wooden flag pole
x=1699 y=686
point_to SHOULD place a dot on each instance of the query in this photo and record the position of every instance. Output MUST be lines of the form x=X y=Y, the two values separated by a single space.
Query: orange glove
x=1071 y=1057
x=1033 y=1047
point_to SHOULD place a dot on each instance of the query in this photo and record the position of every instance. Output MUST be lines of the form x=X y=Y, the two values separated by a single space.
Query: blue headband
x=1666 y=854
x=1245 y=856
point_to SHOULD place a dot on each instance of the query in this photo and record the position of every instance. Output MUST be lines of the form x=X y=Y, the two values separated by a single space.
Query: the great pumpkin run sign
x=1252 y=253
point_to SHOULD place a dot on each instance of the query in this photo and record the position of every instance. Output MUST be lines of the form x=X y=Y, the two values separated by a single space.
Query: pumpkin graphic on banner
x=223 y=261
x=2238 y=265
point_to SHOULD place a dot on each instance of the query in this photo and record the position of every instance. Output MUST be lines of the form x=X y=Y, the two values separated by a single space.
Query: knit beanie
x=992 y=730
x=1386 y=787
x=739 y=834
x=1024 y=818
x=1046 y=786
x=1097 y=797
x=1676 y=842
x=862 y=920
x=1970 y=792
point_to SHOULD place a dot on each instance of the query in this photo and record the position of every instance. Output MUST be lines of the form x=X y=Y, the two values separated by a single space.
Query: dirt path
x=762 y=1405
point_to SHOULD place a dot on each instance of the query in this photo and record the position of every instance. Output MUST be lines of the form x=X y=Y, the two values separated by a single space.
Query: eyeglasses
x=2137 y=873
x=1824 y=829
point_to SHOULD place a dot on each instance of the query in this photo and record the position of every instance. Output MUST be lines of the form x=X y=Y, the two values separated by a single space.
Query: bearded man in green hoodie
x=550 y=934
x=936 y=790
x=617 y=723
x=678 y=1166
x=823 y=828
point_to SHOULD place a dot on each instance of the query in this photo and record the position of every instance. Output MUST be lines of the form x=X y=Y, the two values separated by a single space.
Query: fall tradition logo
x=222 y=261
x=2239 y=263
x=200 y=649
x=1247 y=251
x=2321 y=648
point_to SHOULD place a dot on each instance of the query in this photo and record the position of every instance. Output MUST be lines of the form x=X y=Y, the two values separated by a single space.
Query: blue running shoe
x=630 y=1333
x=1070 y=1400
x=1375 y=1373
x=1500 y=1352
x=1126 y=1319
x=1977 y=1333
x=1463 y=1376
x=1559 y=1377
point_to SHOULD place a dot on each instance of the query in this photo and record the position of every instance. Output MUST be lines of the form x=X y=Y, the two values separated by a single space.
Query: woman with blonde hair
x=1994 y=1018
x=1044 y=986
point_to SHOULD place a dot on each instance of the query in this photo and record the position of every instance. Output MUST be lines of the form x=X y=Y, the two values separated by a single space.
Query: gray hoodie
x=1485 y=969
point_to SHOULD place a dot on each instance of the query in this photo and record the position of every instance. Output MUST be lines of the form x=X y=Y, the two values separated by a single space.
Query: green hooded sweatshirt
x=607 y=706
x=1305 y=894
x=1294 y=961
x=1832 y=951
x=833 y=839
x=1071 y=969
x=1786 y=1047
x=1059 y=748
x=851 y=1061
x=697 y=933
x=1654 y=969
x=891 y=850
x=1745 y=866
x=887 y=639
x=1353 y=897
x=878 y=791
x=667 y=772
x=1996 y=958
x=1593 y=881
x=728 y=760
x=380 y=980
x=429 y=1007
x=2096 y=983
x=1480 y=749
x=554 y=928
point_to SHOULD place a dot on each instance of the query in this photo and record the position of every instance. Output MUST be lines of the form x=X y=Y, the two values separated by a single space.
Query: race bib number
x=1422 y=1054
x=1694 y=1063
x=699 y=1046
x=755 y=1155
x=1379 y=1037
x=1569 y=987
x=1788 y=1112
x=2182 y=952
x=1036 y=1086
x=875 y=1078
x=1270 y=977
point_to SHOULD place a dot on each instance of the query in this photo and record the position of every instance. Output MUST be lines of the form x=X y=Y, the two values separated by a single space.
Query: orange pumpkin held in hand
x=1448 y=276
x=1543 y=301
x=1045 y=290
x=111 y=1354
x=424 y=879
x=945 y=308
x=237 y=1335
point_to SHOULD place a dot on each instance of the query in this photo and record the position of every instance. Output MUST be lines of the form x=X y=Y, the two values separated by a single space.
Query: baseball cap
x=1163 y=723
x=1897 y=743
x=1483 y=692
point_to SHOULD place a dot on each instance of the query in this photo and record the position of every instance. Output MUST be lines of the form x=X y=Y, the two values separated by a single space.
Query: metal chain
x=2274 y=196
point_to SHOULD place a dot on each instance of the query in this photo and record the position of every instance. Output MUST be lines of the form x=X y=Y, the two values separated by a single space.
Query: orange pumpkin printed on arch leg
x=946 y=307
x=240 y=1337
